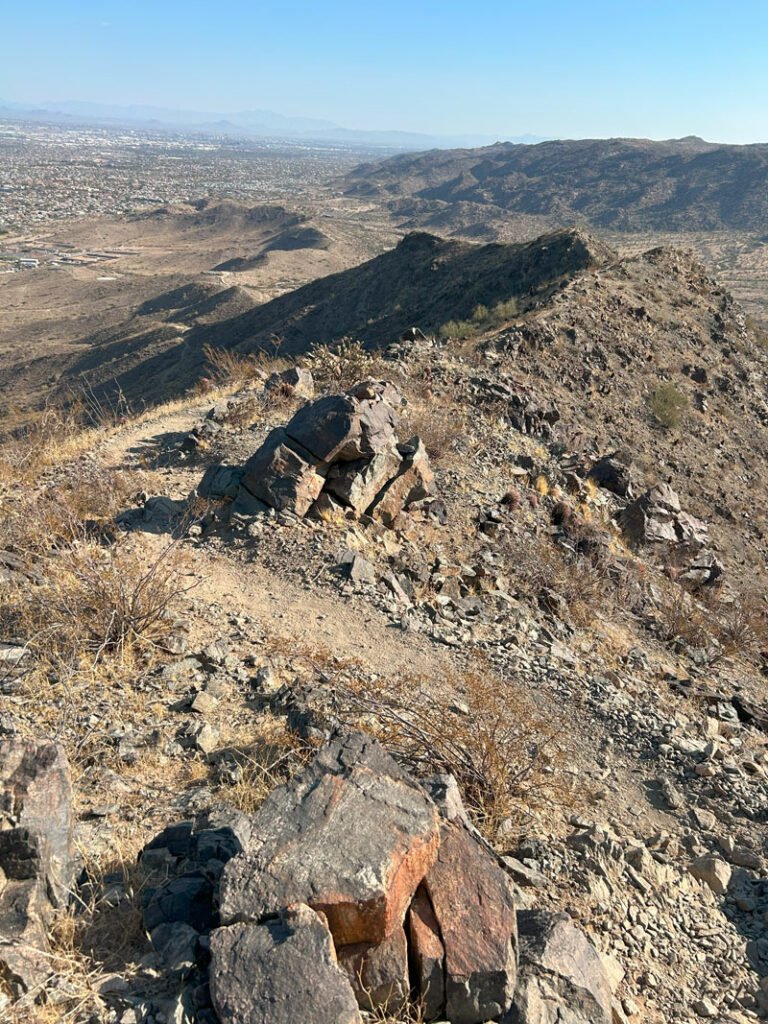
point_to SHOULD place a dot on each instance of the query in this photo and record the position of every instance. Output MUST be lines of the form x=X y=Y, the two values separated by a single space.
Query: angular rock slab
x=562 y=978
x=358 y=483
x=328 y=427
x=378 y=974
x=36 y=803
x=281 y=972
x=412 y=483
x=474 y=905
x=427 y=955
x=352 y=836
x=38 y=859
x=284 y=474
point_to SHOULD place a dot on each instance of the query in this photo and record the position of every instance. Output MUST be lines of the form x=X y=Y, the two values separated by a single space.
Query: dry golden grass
x=260 y=760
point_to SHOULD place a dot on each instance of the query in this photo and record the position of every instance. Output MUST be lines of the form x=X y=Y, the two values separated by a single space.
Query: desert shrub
x=482 y=728
x=341 y=366
x=668 y=405
x=482 y=319
x=440 y=427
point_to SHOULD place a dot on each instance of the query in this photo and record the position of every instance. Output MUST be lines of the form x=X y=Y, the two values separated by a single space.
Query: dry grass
x=255 y=764
x=439 y=423
x=484 y=729
x=339 y=367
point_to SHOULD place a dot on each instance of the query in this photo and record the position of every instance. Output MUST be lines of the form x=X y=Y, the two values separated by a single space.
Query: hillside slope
x=425 y=281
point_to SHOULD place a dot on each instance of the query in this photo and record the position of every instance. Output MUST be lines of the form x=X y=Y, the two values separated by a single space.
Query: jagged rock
x=562 y=979
x=284 y=474
x=357 y=568
x=294 y=381
x=329 y=428
x=36 y=807
x=712 y=870
x=326 y=507
x=412 y=483
x=378 y=974
x=351 y=836
x=220 y=481
x=657 y=518
x=38 y=859
x=280 y=972
x=357 y=483
x=475 y=910
x=428 y=955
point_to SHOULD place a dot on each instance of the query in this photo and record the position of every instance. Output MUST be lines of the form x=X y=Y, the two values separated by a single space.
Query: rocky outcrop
x=337 y=449
x=352 y=837
x=38 y=859
x=656 y=518
x=356 y=888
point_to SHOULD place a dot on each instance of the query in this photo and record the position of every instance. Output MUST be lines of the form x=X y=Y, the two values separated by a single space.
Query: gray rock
x=38 y=858
x=284 y=474
x=280 y=972
x=562 y=979
x=378 y=974
x=358 y=483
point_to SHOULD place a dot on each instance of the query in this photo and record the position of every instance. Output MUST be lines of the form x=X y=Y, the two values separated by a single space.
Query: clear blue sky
x=561 y=68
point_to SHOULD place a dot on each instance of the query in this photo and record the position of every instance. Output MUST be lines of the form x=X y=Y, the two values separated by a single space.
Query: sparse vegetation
x=482 y=319
x=668 y=404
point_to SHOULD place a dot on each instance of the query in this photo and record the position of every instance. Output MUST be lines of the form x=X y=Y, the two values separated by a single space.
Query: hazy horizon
x=496 y=69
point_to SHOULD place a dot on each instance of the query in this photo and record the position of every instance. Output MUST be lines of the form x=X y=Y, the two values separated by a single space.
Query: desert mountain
x=618 y=184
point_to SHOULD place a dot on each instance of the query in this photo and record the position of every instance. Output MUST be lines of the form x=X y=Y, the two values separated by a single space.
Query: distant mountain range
x=617 y=184
x=246 y=123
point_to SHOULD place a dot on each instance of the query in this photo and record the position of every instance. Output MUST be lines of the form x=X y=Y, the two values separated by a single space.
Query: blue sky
x=558 y=69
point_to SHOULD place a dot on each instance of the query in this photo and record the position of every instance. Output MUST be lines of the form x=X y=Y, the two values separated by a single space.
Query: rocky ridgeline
x=336 y=453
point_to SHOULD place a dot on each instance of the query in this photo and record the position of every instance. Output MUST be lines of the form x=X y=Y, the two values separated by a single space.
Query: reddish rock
x=474 y=905
x=428 y=955
x=284 y=474
x=352 y=836
x=378 y=974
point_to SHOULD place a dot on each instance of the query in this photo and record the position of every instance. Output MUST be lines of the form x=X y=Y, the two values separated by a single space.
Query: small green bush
x=482 y=319
x=668 y=405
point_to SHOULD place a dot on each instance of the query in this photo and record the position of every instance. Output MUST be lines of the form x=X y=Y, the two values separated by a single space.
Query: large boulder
x=283 y=971
x=356 y=425
x=37 y=839
x=284 y=474
x=352 y=837
x=562 y=978
x=473 y=903
x=656 y=518
x=38 y=859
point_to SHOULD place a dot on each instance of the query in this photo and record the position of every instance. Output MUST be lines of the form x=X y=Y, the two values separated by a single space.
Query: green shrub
x=668 y=405
x=482 y=319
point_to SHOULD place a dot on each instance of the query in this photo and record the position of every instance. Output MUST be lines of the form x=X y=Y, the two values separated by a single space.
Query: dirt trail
x=349 y=627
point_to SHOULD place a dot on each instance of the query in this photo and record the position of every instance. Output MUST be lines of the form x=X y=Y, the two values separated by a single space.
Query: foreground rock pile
x=337 y=452
x=355 y=889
